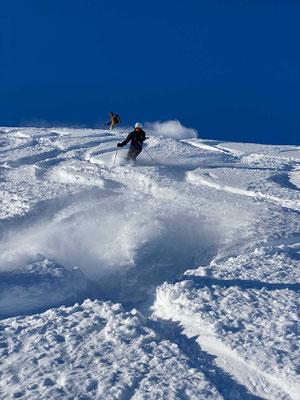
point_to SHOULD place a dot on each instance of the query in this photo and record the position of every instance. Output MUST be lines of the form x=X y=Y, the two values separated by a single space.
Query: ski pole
x=150 y=156
x=115 y=157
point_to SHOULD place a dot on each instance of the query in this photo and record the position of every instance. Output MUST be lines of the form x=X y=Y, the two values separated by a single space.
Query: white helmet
x=138 y=125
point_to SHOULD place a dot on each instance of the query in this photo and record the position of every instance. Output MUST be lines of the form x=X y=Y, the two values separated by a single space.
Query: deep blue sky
x=230 y=69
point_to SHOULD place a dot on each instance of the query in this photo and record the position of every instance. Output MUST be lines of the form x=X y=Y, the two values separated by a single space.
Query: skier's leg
x=130 y=154
x=136 y=153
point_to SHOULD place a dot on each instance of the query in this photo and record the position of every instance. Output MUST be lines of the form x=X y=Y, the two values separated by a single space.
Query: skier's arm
x=127 y=140
x=109 y=123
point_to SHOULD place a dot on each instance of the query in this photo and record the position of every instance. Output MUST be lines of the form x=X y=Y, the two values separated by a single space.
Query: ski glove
x=119 y=144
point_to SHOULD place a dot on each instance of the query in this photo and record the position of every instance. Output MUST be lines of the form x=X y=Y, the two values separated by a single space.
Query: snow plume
x=86 y=240
x=172 y=129
x=124 y=252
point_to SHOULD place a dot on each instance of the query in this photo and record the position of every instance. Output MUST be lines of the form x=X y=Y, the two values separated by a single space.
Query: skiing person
x=114 y=120
x=136 y=139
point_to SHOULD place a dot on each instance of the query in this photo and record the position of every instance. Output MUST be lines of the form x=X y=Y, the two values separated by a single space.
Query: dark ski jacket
x=136 y=138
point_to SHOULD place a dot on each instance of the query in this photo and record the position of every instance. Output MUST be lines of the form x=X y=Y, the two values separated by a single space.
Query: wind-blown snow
x=202 y=238
x=172 y=129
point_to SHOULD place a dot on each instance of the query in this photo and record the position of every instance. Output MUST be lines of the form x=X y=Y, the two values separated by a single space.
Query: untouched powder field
x=177 y=277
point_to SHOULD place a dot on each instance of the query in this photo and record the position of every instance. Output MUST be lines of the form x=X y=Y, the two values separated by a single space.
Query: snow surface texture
x=176 y=278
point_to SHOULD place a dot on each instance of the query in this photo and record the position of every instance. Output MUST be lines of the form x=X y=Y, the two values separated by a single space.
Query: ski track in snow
x=204 y=242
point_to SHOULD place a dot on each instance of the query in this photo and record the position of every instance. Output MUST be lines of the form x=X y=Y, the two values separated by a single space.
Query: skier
x=136 y=139
x=114 y=120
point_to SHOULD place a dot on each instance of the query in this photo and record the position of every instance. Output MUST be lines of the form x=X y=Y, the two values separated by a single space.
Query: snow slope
x=176 y=278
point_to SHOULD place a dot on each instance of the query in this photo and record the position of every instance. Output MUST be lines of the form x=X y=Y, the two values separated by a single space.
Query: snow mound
x=274 y=266
x=95 y=351
x=295 y=177
x=231 y=319
x=38 y=286
x=77 y=174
